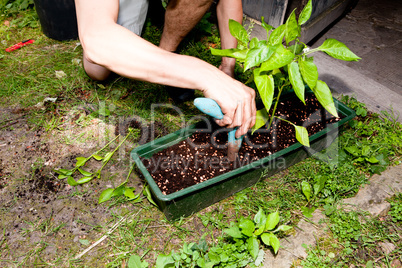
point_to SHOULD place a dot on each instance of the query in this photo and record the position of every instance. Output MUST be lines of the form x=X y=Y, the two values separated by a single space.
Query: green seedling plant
x=240 y=248
x=107 y=194
x=262 y=228
x=278 y=67
x=311 y=192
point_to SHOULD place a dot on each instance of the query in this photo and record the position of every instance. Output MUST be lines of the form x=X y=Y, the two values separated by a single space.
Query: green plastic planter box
x=192 y=199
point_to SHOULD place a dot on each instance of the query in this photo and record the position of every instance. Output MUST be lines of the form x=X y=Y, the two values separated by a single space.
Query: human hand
x=237 y=102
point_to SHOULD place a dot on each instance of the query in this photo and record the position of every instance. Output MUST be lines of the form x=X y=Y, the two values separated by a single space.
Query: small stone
x=387 y=247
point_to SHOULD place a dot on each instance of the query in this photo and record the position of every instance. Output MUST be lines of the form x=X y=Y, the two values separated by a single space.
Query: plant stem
x=121 y=143
x=311 y=51
x=104 y=147
x=284 y=120
x=276 y=104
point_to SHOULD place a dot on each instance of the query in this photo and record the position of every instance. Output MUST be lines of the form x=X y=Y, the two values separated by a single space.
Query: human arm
x=110 y=45
x=228 y=9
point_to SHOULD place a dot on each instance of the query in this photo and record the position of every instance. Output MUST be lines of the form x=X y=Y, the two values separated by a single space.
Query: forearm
x=228 y=9
x=131 y=56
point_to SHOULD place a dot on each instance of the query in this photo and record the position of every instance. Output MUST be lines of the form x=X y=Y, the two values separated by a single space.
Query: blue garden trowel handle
x=211 y=108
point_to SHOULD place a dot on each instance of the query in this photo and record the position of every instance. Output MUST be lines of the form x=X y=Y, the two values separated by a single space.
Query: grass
x=138 y=228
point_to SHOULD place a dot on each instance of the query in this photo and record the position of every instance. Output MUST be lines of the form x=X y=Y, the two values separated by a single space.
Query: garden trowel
x=211 y=108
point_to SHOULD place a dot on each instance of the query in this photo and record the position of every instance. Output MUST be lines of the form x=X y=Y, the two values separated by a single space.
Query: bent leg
x=180 y=18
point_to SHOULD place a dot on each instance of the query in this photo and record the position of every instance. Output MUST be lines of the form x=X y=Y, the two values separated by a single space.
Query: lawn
x=53 y=118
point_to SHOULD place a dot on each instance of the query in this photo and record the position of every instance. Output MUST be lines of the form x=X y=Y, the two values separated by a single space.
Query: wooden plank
x=273 y=11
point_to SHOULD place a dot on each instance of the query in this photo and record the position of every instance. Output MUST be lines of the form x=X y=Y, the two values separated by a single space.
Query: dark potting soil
x=203 y=155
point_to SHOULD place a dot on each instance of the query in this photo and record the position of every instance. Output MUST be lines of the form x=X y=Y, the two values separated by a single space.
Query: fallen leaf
x=60 y=74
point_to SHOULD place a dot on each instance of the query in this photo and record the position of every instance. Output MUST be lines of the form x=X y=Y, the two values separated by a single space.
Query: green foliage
x=277 y=66
x=233 y=254
x=262 y=227
x=376 y=141
x=135 y=262
x=241 y=248
x=21 y=11
x=346 y=226
x=14 y=7
x=396 y=208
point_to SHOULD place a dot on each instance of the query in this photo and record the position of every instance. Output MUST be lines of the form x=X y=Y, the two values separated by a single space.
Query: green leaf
x=283 y=228
x=277 y=35
x=366 y=150
x=81 y=161
x=147 y=193
x=257 y=56
x=308 y=212
x=296 y=80
x=267 y=27
x=85 y=173
x=324 y=96
x=292 y=29
x=306 y=13
x=84 y=180
x=71 y=181
x=238 y=32
x=260 y=258
x=129 y=193
x=224 y=257
x=265 y=86
x=234 y=232
x=302 y=135
x=60 y=177
x=107 y=157
x=213 y=257
x=306 y=189
x=260 y=218
x=232 y=53
x=280 y=58
x=65 y=172
x=270 y=239
x=97 y=157
x=247 y=227
x=259 y=230
x=253 y=247
x=320 y=184
x=134 y=262
x=119 y=191
x=272 y=221
x=372 y=160
x=254 y=43
x=262 y=117
x=353 y=150
x=165 y=261
x=338 y=50
x=309 y=72
x=105 y=195
x=297 y=49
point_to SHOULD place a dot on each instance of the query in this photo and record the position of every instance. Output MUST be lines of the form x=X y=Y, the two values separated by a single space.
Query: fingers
x=243 y=116
x=225 y=121
x=237 y=103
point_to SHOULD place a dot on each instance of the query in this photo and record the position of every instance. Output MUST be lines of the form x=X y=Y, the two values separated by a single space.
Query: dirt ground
x=39 y=212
